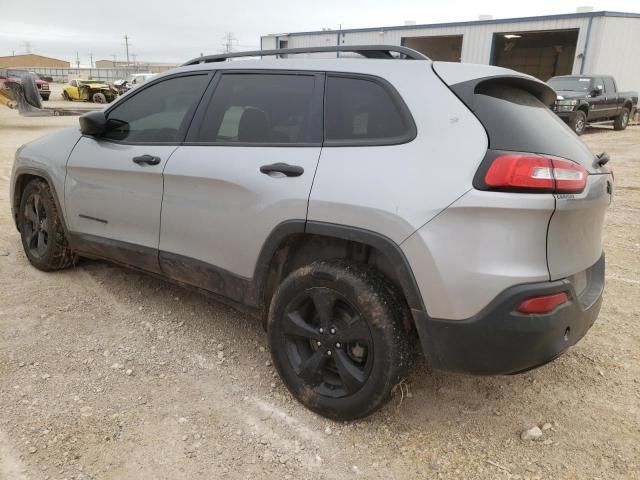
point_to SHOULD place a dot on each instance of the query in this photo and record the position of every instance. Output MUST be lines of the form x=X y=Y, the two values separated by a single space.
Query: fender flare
x=36 y=172
x=385 y=245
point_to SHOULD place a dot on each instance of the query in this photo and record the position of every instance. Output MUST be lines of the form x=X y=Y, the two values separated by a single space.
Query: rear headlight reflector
x=543 y=304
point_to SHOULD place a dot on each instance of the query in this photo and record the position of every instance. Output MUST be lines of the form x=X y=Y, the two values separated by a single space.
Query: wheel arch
x=22 y=178
x=295 y=243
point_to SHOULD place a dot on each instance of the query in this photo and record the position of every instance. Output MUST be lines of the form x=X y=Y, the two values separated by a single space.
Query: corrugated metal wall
x=476 y=44
x=614 y=50
x=611 y=47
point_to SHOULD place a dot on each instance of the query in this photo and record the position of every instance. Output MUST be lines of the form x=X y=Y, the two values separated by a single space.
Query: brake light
x=543 y=304
x=535 y=173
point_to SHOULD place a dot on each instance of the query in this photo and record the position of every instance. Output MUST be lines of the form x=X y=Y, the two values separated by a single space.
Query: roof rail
x=367 y=51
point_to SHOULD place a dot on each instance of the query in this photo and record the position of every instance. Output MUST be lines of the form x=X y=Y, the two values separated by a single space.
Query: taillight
x=536 y=174
x=542 y=304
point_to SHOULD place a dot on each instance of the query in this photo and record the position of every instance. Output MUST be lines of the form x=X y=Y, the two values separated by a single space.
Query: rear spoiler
x=464 y=80
x=543 y=92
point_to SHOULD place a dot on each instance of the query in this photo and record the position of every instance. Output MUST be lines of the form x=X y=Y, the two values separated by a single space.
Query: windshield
x=571 y=84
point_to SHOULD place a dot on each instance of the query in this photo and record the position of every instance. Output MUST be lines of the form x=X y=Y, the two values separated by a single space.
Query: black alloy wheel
x=327 y=343
x=340 y=337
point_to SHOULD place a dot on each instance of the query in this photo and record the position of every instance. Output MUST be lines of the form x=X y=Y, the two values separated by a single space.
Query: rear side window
x=249 y=108
x=609 y=86
x=156 y=114
x=362 y=111
x=517 y=120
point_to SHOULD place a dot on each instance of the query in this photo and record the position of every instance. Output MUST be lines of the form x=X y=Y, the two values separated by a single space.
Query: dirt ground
x=108 y=374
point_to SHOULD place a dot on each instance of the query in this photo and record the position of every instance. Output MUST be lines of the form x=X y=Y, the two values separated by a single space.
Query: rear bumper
x=499 y=340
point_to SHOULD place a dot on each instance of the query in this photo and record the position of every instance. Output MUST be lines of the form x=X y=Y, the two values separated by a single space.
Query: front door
x=247 y=166
x=113 y=188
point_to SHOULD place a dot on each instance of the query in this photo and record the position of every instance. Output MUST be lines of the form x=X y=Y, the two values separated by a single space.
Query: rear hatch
x=522 y=129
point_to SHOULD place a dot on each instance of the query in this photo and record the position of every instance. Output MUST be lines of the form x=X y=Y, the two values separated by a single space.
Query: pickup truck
x=14 y=74
x=592 y=98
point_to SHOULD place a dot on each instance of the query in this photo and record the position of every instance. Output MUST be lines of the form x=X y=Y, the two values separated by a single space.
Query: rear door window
x=609 y=86
x=363 y=111
x=261 y=108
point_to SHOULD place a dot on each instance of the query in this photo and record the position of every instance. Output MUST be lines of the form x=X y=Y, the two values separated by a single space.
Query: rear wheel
x=579 y=122
x=339 y=338
x=622 y=120
x=43 y=238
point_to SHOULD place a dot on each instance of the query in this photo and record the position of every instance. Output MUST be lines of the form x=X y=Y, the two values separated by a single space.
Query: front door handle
x=146 y=160
x=284 y=168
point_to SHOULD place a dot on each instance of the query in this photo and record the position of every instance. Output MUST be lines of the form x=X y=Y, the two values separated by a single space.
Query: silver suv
x=358 y=205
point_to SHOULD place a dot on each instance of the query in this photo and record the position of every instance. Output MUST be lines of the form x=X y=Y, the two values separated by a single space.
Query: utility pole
x=126 y=44
x=27 y=47
x=114 y=60
x=91 y=59
x=133 y=55
x=228 y=42
x=78 y=62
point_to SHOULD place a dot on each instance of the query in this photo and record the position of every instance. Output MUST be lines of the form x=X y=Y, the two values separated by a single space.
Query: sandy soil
x=106 y=373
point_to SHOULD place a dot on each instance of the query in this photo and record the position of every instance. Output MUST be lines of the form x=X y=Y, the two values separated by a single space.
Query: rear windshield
x=516 y=120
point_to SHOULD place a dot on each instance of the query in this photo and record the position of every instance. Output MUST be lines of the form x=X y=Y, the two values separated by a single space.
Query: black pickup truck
x=592 y=98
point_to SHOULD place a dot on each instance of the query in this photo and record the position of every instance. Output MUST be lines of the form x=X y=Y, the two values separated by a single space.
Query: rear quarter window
x=363 y=111
x=517 y=120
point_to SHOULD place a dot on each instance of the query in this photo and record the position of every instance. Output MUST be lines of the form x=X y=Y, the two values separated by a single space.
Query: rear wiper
x=602 y=159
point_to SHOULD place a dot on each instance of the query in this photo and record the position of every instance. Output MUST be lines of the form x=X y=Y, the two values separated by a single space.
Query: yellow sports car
x=89 y=91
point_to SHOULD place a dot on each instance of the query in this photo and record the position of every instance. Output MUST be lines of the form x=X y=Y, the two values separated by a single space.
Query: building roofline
x=462 y=24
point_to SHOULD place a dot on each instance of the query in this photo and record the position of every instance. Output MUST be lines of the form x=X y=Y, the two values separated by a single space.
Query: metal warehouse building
x=577 y=43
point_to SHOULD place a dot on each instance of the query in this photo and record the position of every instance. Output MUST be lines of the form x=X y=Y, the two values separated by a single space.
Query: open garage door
x=438 y=48
x=541 y=54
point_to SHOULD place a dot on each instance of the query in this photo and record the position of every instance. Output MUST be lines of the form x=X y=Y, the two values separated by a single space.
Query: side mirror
x=93 y=123
x=598 y=90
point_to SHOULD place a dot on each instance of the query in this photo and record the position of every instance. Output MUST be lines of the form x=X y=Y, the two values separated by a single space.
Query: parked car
x=89 y=91
x=132 y=81
x=593 y=98
x=15 y=74
x=355 y=205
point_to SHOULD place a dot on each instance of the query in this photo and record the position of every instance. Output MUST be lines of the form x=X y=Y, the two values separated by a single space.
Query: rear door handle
x=284 y=168
x=146 y=160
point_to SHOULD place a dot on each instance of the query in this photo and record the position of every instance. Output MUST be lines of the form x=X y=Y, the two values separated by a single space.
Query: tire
x=45 y=98
x=66 y=96
x=43 y=238
x=622 y=120
x=579 y=122
x=98 y=98
x=31 y=93
x=344 y=363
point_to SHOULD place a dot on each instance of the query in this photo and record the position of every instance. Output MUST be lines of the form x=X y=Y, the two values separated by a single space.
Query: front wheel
x=66 y=96
x=622 y=120
x=339 y=338
x=579 y=122
x=99 y=98
x=43 y=238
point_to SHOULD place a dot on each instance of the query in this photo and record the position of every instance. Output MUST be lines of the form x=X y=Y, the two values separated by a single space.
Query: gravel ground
x=106 y=373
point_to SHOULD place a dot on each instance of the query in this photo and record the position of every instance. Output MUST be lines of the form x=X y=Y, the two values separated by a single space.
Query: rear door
x=517 y=120
x=613 y=102
x=247 y=166
x=113 y=187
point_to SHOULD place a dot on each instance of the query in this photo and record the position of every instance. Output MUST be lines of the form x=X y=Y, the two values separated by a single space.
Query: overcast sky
x=179 y=30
